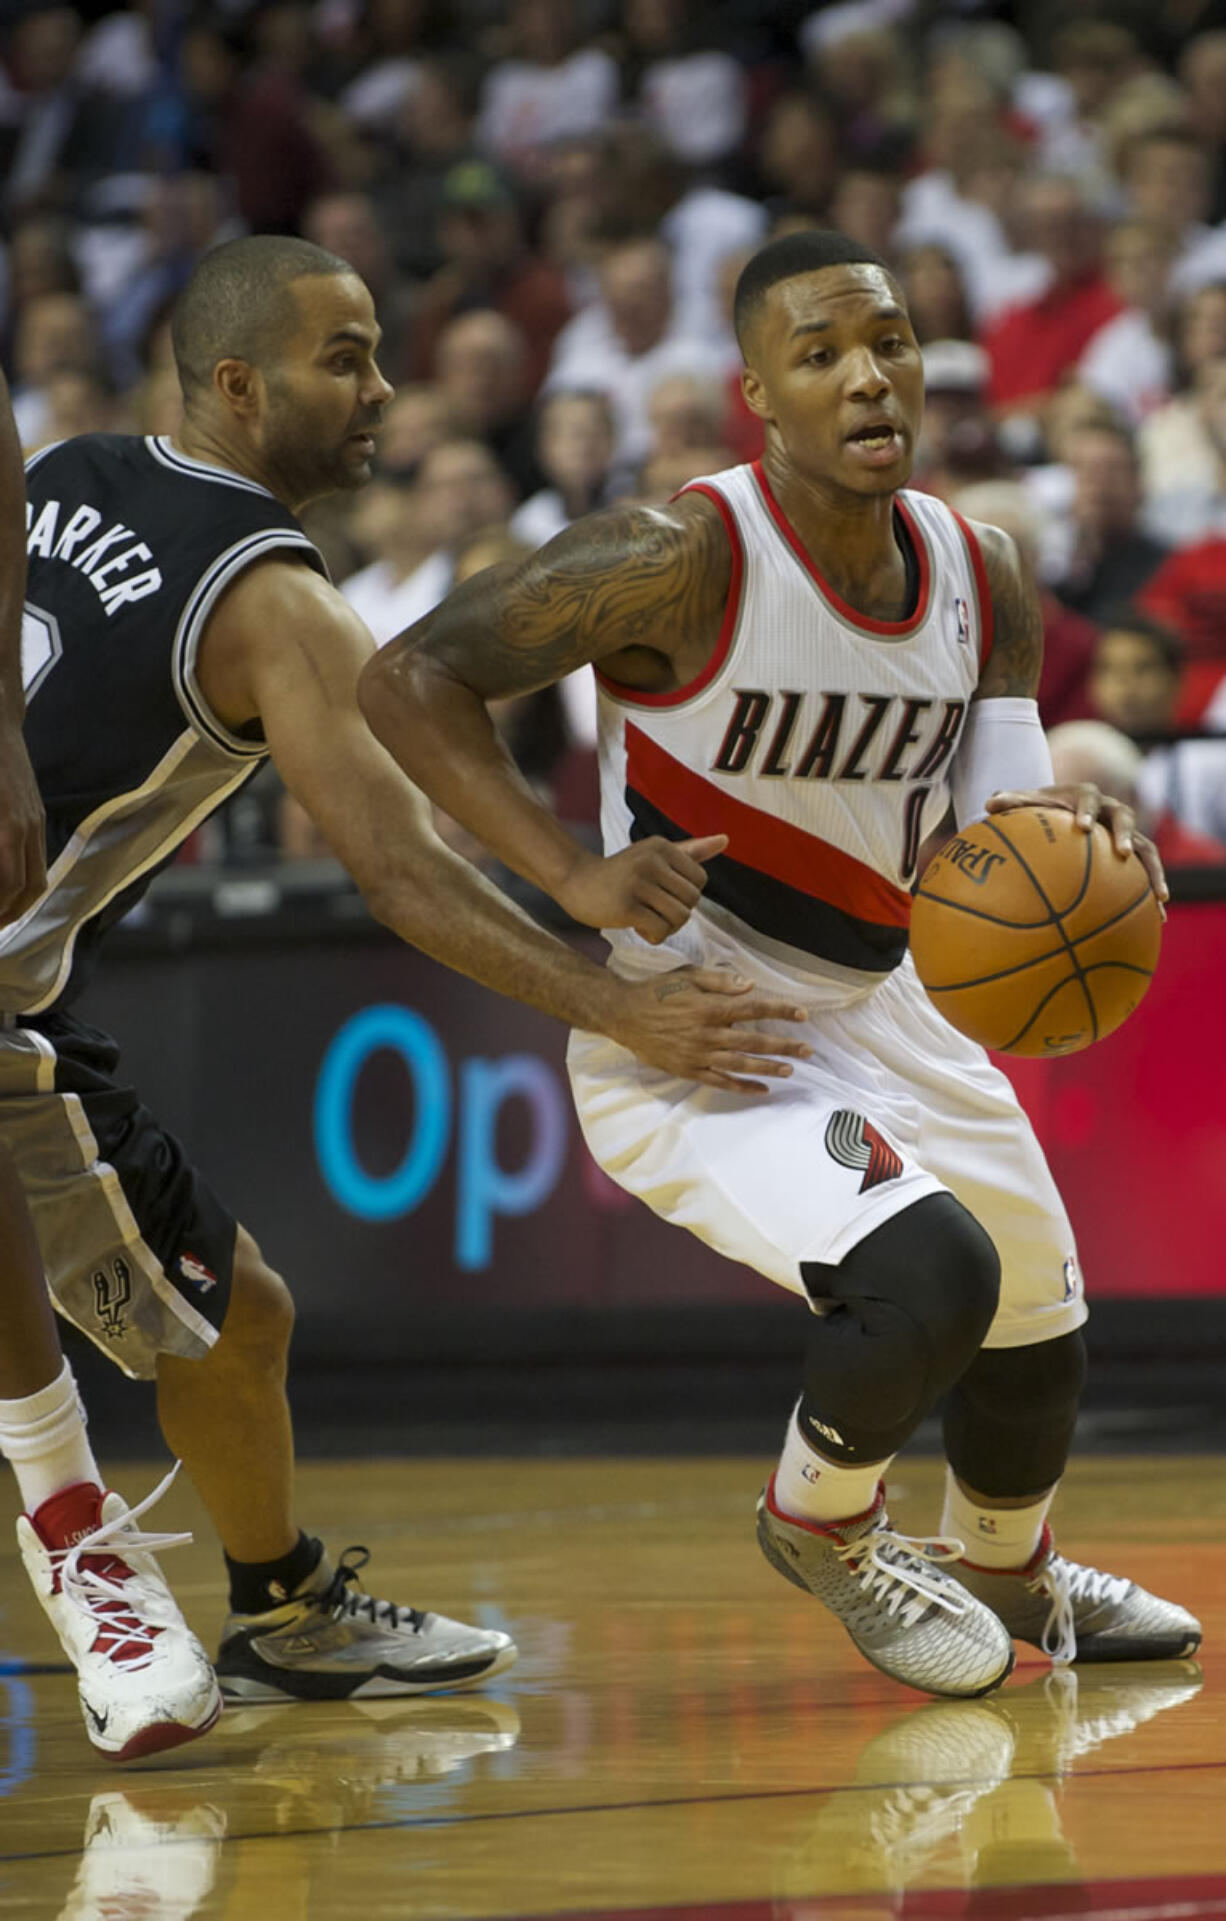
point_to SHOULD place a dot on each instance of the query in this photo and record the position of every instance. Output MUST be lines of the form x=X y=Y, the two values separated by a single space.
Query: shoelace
x=380 y=1613
x=887 y=1578
x=105 y=1600
x=1064 y=1583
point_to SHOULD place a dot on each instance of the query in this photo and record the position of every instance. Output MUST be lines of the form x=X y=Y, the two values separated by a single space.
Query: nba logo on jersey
x=963 y=613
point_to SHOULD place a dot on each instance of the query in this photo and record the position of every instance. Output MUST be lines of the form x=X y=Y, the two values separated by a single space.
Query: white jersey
x=820 y=741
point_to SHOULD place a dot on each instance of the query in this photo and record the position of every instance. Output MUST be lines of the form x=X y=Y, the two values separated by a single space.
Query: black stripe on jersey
x=780 y=912
x=205 y=595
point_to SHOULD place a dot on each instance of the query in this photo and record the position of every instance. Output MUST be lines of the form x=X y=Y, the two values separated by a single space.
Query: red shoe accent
x=60 y=1523
x=1023 y=1573
x=164 y=1734
x=822 y=1527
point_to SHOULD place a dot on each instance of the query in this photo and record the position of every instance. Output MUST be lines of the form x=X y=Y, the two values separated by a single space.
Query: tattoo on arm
x=635 y=581
x=1016 y=660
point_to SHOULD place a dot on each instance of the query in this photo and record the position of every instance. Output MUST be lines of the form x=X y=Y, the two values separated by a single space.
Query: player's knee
x=1042 y=1381
x=1010 y=1420
x=260 y=1316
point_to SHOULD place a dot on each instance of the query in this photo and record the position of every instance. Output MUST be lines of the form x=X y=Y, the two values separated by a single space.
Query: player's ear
x=755 y=396
x=239 y=384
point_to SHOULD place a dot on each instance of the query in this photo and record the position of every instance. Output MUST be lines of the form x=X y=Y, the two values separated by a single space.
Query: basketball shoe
x=903 y=1611
x=144 y=1680
x=330 y=1641
x=1078 y=1613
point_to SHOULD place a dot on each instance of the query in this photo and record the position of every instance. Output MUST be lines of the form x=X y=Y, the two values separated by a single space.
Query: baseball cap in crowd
x=955 y=367
x=474 y=186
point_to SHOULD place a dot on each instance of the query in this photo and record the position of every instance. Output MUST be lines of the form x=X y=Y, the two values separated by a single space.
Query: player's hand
x=1087 y=805
x=23 y=871
x=700 y=1023
x=652 y=885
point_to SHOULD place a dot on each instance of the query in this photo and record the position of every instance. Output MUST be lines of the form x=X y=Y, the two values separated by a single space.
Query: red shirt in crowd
x=1034 y=347
x=1188 y=594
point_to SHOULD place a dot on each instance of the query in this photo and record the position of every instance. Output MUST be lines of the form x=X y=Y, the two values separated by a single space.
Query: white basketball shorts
x=895 y=1104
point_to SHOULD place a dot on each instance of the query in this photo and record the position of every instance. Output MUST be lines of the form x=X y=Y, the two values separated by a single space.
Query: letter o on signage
x=383 y=1197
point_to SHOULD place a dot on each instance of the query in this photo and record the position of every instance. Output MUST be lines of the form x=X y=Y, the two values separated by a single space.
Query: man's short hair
x=787 y=257
x=237 y=304
x=1164 y=641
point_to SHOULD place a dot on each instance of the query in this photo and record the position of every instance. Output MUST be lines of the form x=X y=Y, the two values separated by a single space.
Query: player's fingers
x=1151 y=861
x=716 y=980
x=1001 y=803
x=710 y=1077
x=705 y=849
x=674 y=882
x=737 y=1063
x=659 y=901
x=762 y=1009
x=750 y=1040
x=1120 y=822
x=650 y=925
x=1087 y=804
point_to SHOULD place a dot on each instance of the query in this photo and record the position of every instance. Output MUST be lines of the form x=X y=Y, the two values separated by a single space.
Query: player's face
x=836 y=373
x=325 y=396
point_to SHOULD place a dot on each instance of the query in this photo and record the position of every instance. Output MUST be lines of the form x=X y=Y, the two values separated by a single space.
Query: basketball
x=1033 y=936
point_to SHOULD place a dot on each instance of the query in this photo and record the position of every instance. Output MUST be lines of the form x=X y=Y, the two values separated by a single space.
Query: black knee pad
x=908 y=1309
x=1010 y=1419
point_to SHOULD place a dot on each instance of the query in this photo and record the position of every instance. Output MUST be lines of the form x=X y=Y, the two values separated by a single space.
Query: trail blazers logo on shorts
x=112 y=1292
x=854 y=1142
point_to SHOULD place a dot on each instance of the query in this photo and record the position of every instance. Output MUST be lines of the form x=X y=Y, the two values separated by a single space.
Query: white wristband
x=1003 y=749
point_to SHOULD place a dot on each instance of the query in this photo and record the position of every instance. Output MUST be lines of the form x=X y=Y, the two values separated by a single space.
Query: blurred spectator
x=550 y=87
x=481 y=368
x=1090 y=750
x=859 y=63
x=936 y=295
x=683 y=412
x=1173 y=445
x=691 y=94
x=63 y=133
x=416 y=420
x=664 y=474
x=184 y=215
x=433 y=131
x=76 y=403
x=1135 y=685
x=1069 y=639
x=574 y=446
x=1091 y=61
x=1129 y=360
x=274 y=133
x=643 y=191
x=347 y=224
x=626 y=344
x=458 y=488
x=1033 y=347
x=799 y=157
x=1202 y=69
x=486 y=263
x=1188 y=593
x=957 y=443
x=867 y=204
x=54 y=334
x=1168 y=177
x=1108 y=557
x=1182 y=515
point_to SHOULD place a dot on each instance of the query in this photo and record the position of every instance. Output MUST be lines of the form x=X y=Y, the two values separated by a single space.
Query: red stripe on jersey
x=634 y=696
x=759 y=840
x=982 y=590
x=864 y=622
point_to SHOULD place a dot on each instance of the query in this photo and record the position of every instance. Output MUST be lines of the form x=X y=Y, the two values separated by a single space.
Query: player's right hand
x=652 y=886
x=700 y=1023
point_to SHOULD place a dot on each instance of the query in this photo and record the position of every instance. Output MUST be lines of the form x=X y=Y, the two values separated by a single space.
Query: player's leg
x=299 y=1627
x=811 y=1193
x=1010 y=1419
x=144 y=1681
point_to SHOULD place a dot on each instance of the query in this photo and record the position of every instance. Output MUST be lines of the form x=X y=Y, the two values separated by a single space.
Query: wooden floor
x=684 y=1734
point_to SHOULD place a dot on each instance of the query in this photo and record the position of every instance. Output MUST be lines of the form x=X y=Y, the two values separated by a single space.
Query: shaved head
x=238 y=304
x=784 y=259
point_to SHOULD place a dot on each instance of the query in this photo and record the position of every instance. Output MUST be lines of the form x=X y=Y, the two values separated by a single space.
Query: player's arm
x=638 y=589
x=284 y=647
x=1003 y=759
x=22 y=870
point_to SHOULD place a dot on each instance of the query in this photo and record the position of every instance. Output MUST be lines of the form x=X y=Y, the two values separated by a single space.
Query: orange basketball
x=1033 y=936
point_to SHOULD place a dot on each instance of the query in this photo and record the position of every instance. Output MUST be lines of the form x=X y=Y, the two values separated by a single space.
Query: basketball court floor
x=685 y=1735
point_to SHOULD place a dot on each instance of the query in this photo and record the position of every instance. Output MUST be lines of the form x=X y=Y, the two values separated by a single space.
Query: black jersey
x=130 y=545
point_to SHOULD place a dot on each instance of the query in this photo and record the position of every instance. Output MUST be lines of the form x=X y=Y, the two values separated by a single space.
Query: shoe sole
x=1098 y=1651
x=160 y=1735
x=303 y=1685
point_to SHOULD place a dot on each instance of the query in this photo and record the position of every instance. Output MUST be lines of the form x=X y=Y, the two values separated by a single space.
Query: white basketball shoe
x=144 y=1680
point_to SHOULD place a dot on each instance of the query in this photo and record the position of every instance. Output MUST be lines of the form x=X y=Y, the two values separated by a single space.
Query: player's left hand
x=23 y=871
x=1087 y=805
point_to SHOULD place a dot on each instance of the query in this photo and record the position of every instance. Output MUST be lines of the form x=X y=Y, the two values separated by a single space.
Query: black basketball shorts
x=138 y=1251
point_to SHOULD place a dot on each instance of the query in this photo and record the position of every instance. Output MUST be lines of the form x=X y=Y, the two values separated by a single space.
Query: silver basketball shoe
x=1076 y=1613
x=331 y=1641
x=891 y=1592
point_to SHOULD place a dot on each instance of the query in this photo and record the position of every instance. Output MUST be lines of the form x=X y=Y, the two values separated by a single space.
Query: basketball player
x=807 y=658
x=179 y=628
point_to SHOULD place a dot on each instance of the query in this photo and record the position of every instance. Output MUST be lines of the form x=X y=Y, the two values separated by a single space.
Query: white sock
x=811 y=1488
x=993 y=1536
x=44 y=1437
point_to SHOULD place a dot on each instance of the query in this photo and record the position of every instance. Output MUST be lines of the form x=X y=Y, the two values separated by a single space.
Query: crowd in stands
x=551 y=201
